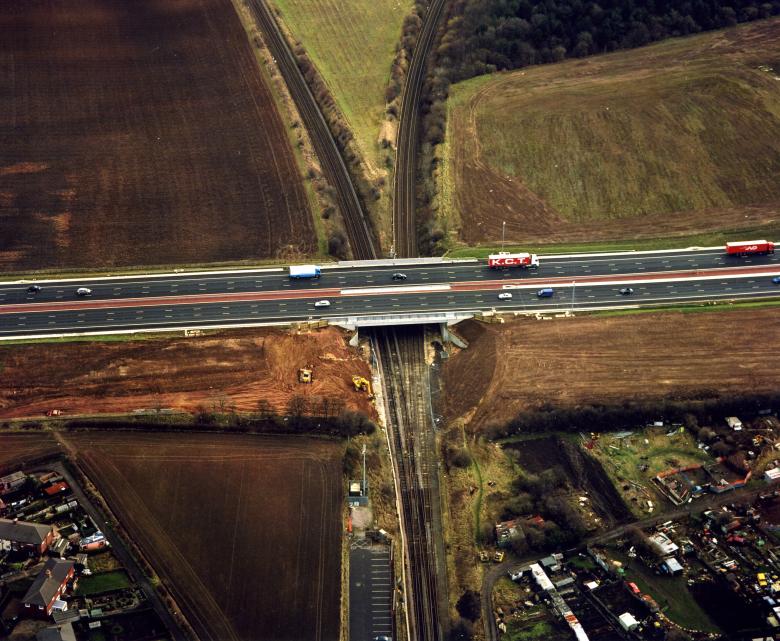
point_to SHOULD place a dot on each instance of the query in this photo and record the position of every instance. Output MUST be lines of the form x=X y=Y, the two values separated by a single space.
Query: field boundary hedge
x=629 y=415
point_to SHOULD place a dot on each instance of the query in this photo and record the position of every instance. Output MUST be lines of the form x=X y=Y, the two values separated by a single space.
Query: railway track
x=400 y=352
x=358 y=229
x=401 y=357
x=404 y=219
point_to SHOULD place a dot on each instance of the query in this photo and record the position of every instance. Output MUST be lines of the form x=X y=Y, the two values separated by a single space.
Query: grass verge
x=710 y=239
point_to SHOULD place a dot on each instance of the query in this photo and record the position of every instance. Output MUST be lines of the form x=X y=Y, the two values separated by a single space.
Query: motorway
x=239 y=298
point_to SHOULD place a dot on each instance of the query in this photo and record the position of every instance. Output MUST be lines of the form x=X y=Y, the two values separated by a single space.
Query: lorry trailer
x=750 y=247
x=304 y=271
x=503 y=260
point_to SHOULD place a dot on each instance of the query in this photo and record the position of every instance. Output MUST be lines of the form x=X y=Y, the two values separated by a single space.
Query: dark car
x=776 y=280
x=627 y=291
x=547 y=292
x=34 y=289
x=399 y=276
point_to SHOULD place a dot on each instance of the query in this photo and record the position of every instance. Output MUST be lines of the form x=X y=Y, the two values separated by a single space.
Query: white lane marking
x=697 y=251
x=110 y=329
x=402 y=289
x=540 y=284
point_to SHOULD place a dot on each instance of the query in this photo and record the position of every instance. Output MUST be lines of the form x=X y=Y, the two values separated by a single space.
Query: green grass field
x=353 y=45
x=103 y=582
x=671 y=594
x=609 y=147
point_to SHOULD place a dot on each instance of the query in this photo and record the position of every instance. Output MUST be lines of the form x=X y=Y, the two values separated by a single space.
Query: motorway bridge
x=363 y=293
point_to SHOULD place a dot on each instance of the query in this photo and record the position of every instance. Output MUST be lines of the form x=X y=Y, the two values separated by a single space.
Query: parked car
x=547 y=292
x=34 y=289
x=504 y=296
x=83 y=291
x=627 y=291
x=322 y=303
x=399 y=276
x=776 y=280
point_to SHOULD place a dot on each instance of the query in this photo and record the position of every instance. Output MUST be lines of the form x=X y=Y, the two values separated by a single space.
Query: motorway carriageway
x=247 y=309
x=337 y=278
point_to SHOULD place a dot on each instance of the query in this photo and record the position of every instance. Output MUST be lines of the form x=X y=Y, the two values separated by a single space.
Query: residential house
x=22 y=535
x=47 y=588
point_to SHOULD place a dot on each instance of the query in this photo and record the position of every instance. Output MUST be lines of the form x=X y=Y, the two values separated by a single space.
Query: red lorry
x=505 y=259
x=750 y=247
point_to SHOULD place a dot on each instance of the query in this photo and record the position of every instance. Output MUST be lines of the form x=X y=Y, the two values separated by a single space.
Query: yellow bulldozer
x=361 y=384
x=304 y=375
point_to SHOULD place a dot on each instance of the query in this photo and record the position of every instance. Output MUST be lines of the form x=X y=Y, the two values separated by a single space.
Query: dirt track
x=524 y=363
x=221 y=372
x=140 y=133
x=246 y=528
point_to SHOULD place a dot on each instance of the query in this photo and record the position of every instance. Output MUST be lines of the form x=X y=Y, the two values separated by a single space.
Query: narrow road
x=700 y=505
x=118 y=547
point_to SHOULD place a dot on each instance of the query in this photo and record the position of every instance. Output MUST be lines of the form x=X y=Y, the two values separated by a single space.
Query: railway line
x=401 y=358
x=404 y=206
x=400 y=353
x=359 y=232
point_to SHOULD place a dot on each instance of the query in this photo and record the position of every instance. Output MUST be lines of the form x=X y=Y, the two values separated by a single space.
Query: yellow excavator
x=361 y=384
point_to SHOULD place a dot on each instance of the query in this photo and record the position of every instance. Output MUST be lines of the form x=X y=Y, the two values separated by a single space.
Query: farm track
x=360 y=236
x=401 y=358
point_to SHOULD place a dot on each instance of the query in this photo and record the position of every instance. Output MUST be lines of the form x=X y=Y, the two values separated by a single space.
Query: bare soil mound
x=234 y=370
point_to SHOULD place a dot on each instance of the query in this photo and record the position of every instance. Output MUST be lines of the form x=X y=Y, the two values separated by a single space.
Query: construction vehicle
x=361 y=384
x=483 y=556
x=304 y=375
x=498 y=557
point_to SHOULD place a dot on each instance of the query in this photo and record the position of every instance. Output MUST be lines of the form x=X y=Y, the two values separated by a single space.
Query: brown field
x=233 y=370
x=608 y=359
x=140 y=133
x=246 y=529
x=602 y=148
x=16 y=449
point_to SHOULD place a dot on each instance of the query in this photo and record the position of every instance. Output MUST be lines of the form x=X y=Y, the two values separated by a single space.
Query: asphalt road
x=277 y=280
x=235 y=299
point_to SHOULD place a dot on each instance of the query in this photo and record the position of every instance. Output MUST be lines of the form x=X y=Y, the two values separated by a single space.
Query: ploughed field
x=140 y=133
x=246 y=529
x=19 y=449
x=674 y=139
x=527 y=363
x=239 y=370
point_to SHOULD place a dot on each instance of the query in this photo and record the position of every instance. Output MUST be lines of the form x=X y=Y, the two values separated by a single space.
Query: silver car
x=83 y=291
x=322 y=303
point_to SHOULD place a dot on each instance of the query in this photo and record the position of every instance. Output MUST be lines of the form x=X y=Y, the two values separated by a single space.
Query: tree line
x=629 y=415
x=482 y=36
